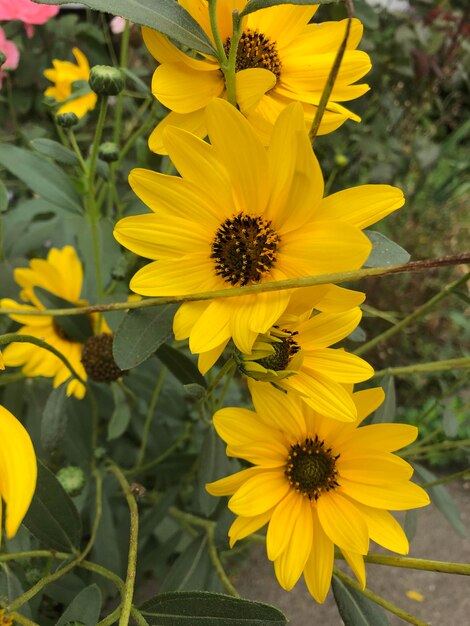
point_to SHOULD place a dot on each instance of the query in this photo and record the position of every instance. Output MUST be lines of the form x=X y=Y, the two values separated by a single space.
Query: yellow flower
x=280 y=58
x=18 y=470
x=295 y=356
x=2 y=362
x=64 y=74
x=5 y=620
x=239 y=215
x=62 y=275
x=317 y=482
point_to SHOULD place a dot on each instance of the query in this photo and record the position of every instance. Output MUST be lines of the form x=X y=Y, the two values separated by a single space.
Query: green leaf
x=11 y=588
x=193 y=608
x=166 y=16
x=384 y=251
x=3 y=197
x=121 y=415
x=85 y=608
x=41 y=176
x=441 y=497
x=386 y=411
x=52 y=517
x=355 y=609
x=190 y=569
x=256 y=5
x=213 y=464
x=74 y=327
x=55 y=150
x=141 y=333
x=180 y=366
x=54 y=420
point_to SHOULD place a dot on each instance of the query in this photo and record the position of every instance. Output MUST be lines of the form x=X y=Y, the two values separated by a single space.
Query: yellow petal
x=338 y=299
x=323 y=395
x=238 y=427
x=259 y=493
x=244 y=526
x=339 y=365
x=361 y=206
x=319 y=567
x=343 y=522
x=371 y=466
x=282 y=523
x=186 y=316
x=193 y=122
x=386 y=437
x=164 y=51
x=207 y=359
x=250 y=85
x=367 y=401
x=356 y=563
x=396 y=496
x=278 y=410
x=384 y=529
x=327 y=329
x=18 y=470
x=212 y=328
x=229 y=485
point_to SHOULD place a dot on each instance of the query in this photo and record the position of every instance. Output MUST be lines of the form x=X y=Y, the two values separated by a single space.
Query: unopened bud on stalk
x=108 y=152
x=106 y=80
x=72 y=479
x=66 y=120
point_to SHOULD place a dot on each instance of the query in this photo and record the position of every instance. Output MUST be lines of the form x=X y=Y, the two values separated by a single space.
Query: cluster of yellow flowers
x=248 y=207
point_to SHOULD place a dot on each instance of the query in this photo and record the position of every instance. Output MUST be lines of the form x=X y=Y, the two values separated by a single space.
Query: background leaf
x=75 y=327
x=214 y=464
x=121 y=415
x=355 y=609
x=210 y=609
x=54 y=419
x=52 y=517
x=84 y=608
x=180 y=366
x=55 y=150
x=141 y=333
x=166 y=16
x=384 y=251
x=386 y=411
x=191 y=568
x=41 y=176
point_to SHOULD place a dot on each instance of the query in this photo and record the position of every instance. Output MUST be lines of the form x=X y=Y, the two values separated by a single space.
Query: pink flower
x=27 y=12
x=11 y=52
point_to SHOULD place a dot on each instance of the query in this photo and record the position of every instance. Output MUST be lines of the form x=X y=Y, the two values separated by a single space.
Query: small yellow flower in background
x=64 y=74
x=241 y=214
x=415 y=595
x=62 y=275
x=317 y=483
x=4 y=619
x=295 y=355
x=281 y=58
x=18 y=470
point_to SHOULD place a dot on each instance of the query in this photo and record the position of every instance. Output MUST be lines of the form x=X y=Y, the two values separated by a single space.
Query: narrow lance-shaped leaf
x=181 y=366
x=84 y=609
x=355 y=609
x=166 y=16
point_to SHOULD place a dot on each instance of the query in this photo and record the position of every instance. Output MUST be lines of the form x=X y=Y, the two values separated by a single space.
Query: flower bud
x=66 y=120
x=72 y=479
x=341 y=160
x=108 y=152
x=106 y=80
x=98 y=360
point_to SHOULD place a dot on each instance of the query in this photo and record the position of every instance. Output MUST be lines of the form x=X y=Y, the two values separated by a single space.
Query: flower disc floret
x=242 y=214
x=316 y=483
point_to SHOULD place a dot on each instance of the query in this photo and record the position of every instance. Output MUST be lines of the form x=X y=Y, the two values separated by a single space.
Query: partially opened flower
x=68 y=77
x=11 y=53
x=317 y=483
x=29 y=12
x=241 y=214
x=280 y=58
x=18 y=470
x=295 y=355
x=61 y=275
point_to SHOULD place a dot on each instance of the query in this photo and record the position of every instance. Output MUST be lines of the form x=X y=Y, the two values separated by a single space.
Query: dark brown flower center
x=256 y=50
x=311 y=468
x=284 y=350
x=98 y=360
x=244 y=249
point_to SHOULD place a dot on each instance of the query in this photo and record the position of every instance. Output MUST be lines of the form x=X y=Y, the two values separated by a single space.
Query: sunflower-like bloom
x=317 y=482
x=240 y=215
x=280 y=58
x=295 y=355
x=18 y=470
x=64 y=74
x=62 y=275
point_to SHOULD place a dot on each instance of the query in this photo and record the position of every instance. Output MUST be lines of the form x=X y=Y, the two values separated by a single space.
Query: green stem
x=21 y=619
x=94 y=150
x=447 y=479
x=407 y=617
x=123 y=64
x=126 y=606
x=233 y=292
x=17 y=338
x=141 y=469
x=443 y=567
x=225 y=369
x=46 y=580
x=426 y=368
x=76 y=148
x=149 y=417
x=443 y=445
x=228 y=380
x=214 y=557
x=229 y=69
x=222 y=57
x=424 y=308
x=328 y=88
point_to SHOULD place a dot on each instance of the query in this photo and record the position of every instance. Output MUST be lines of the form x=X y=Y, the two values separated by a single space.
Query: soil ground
x=446 y=597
